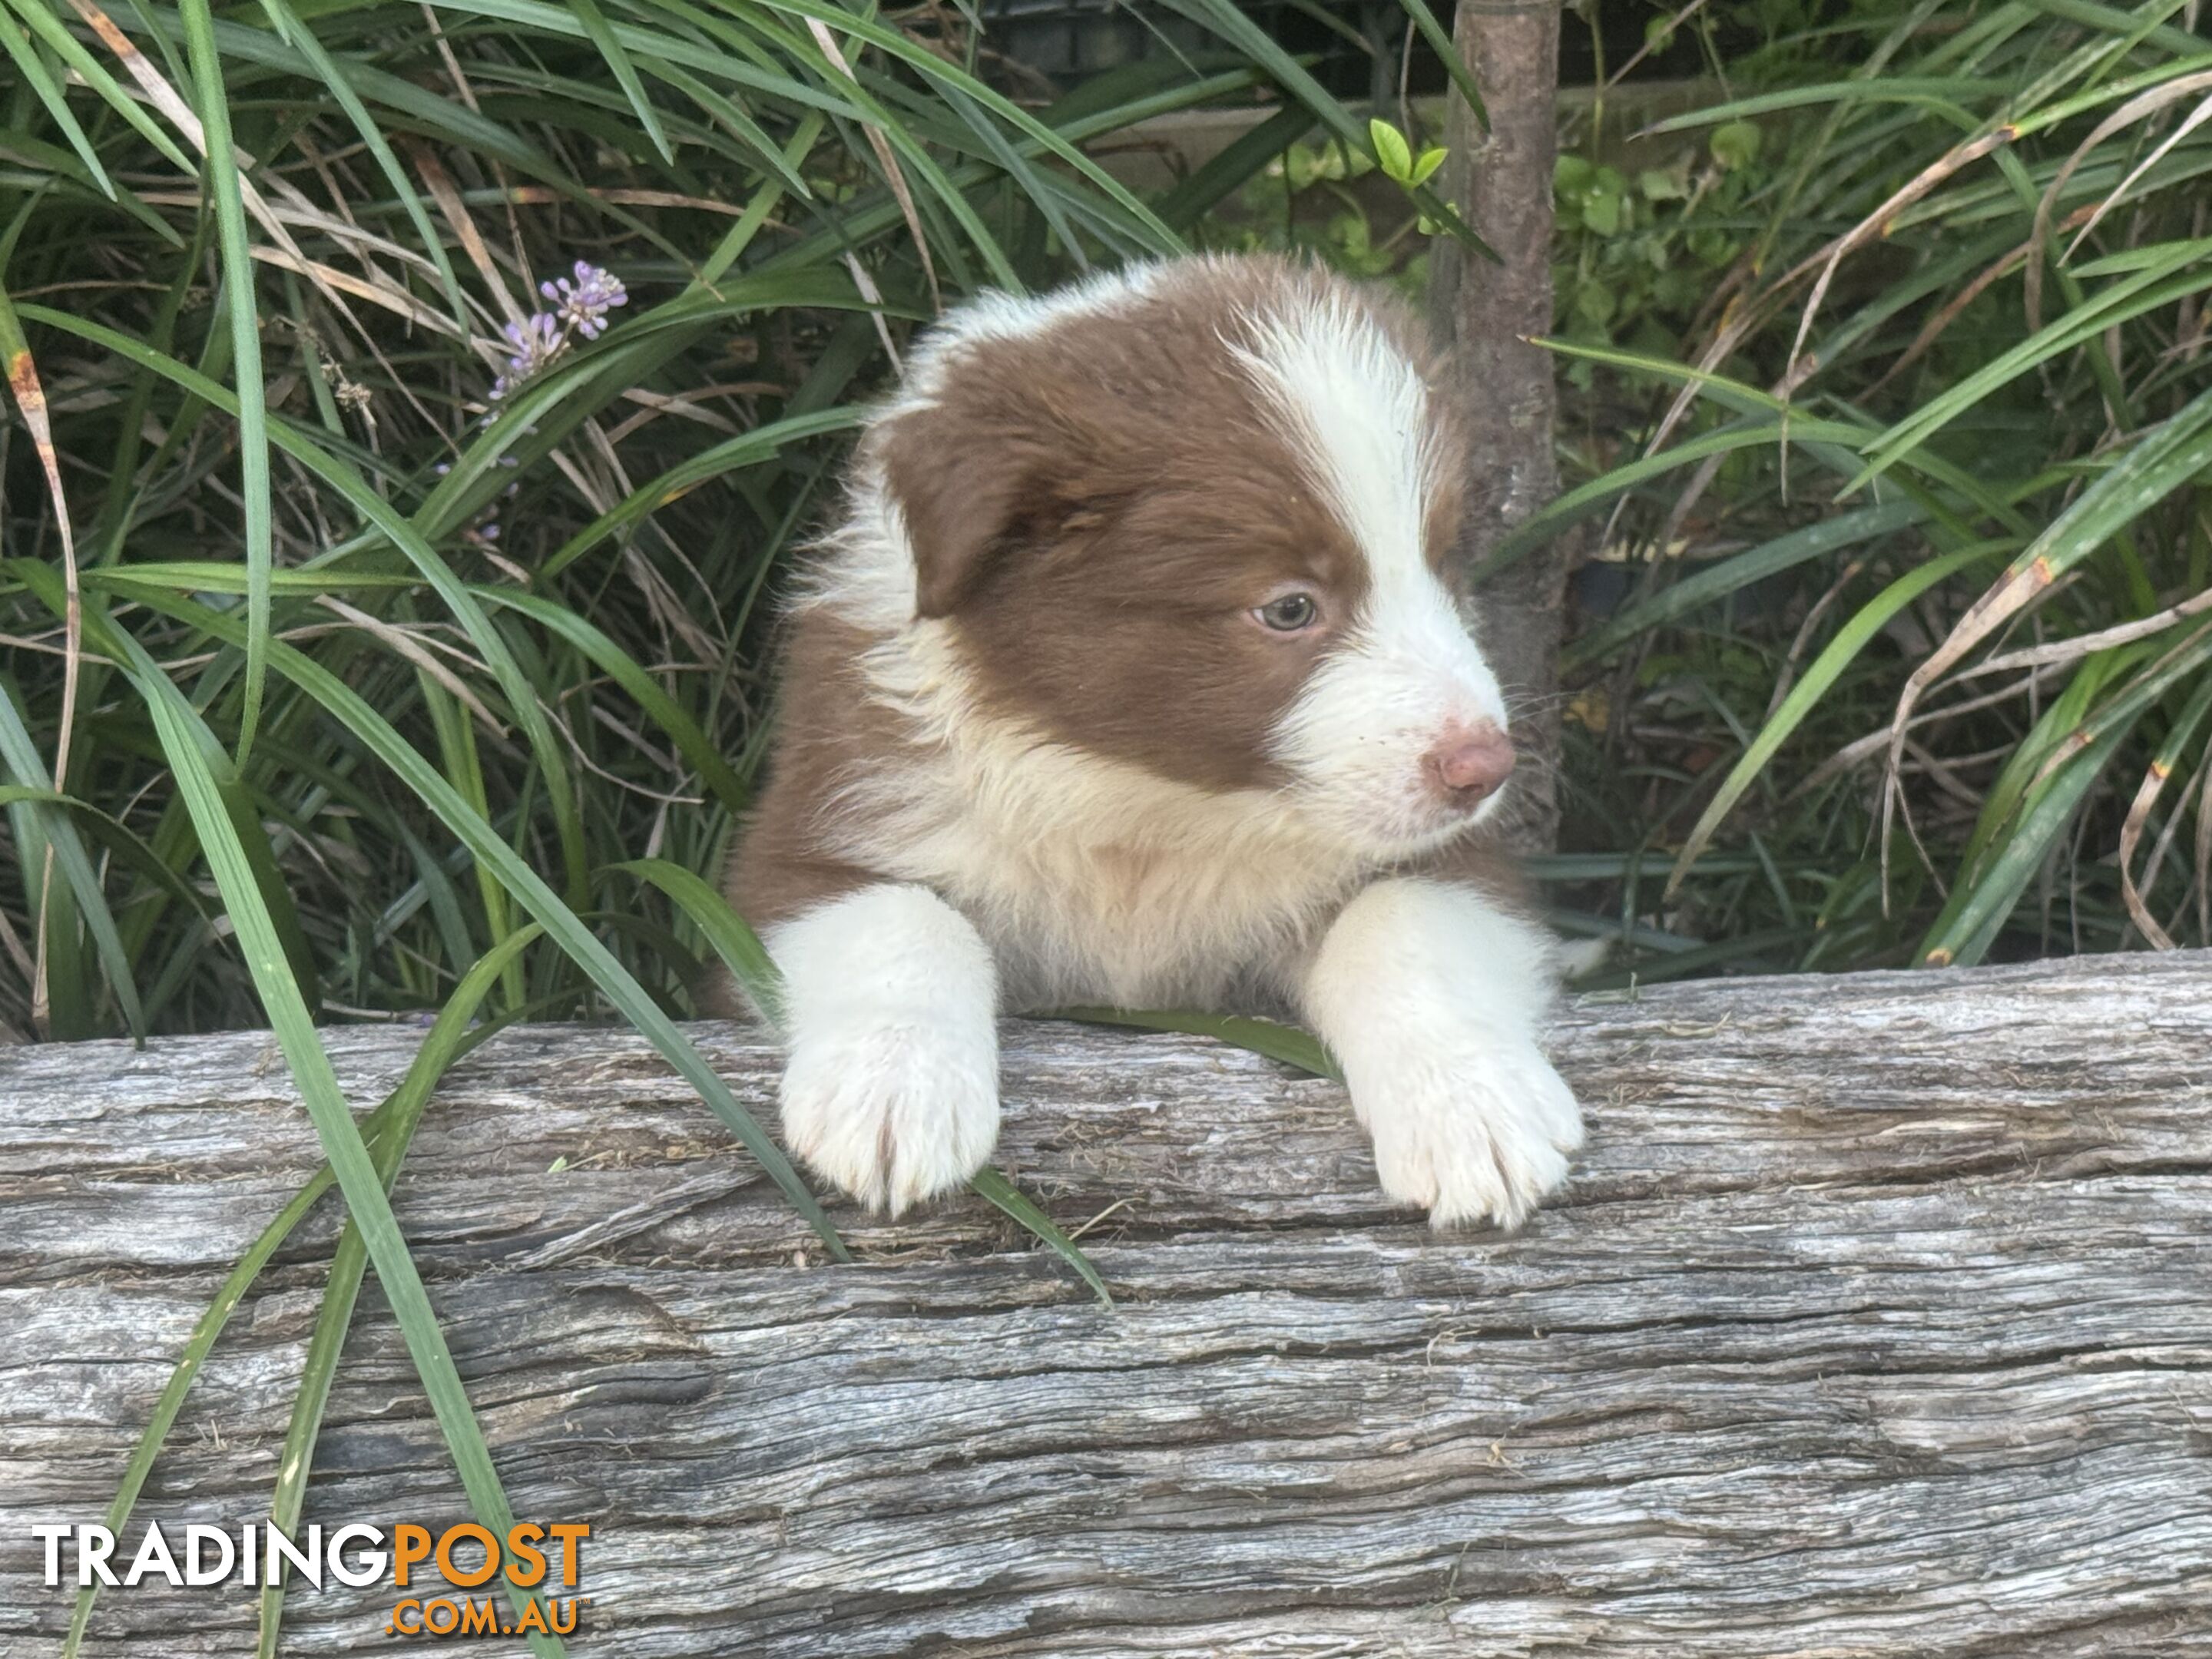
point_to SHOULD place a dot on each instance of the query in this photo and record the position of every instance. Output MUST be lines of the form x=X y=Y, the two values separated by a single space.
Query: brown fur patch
x=827 y=732
x=1099 y=506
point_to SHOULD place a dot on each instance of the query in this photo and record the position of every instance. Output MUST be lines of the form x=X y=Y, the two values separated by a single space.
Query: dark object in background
x=1357 y=51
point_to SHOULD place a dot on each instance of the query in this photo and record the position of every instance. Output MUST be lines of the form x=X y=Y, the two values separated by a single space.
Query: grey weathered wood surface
x=1878 y=1320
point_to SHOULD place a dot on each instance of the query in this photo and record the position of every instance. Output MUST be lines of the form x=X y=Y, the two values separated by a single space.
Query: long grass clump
x=1903 y=650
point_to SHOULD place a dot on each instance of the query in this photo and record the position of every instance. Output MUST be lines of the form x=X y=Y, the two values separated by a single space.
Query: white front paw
x=1470 y=1127
x=893 y=1113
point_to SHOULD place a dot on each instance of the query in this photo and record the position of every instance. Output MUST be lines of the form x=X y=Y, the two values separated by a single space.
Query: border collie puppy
x=1130 y=676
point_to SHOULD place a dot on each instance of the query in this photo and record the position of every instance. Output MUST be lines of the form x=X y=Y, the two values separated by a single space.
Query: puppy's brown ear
x=964 y=487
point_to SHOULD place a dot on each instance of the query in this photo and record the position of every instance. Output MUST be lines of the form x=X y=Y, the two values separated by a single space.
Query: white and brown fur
x=1044 y=740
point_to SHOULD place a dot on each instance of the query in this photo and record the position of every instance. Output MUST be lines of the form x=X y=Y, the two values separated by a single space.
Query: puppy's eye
x=1289 y=613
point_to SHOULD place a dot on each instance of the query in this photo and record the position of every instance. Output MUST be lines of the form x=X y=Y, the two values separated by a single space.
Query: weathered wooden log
x=1878 y=1320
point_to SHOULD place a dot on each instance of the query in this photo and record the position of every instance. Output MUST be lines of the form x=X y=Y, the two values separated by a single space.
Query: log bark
x=1877 y=1319
x=1488 y=312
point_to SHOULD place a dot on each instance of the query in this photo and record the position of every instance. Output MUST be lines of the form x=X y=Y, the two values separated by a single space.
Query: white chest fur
x=1093 y=880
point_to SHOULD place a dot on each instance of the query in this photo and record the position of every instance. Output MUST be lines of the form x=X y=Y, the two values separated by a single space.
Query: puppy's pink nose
x=1470 y=765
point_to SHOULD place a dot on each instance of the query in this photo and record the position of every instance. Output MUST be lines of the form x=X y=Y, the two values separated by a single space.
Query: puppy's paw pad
x=893 y=1115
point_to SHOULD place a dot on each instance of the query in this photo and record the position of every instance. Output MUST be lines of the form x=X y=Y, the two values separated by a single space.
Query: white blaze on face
x=1406 y=672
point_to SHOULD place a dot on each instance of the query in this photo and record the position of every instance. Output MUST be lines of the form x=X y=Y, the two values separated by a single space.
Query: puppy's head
x=1196 y=519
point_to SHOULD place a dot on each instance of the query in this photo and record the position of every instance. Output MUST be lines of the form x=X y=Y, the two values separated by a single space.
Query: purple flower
x=583 y=298
x=581 y=303
x=532 y=344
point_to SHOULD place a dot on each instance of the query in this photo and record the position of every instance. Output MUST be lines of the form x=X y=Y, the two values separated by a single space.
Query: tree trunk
x=1487 y=314
x=1876 y=1321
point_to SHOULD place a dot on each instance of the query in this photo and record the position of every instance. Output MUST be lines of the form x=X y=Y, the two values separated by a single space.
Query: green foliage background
x=1896 y=651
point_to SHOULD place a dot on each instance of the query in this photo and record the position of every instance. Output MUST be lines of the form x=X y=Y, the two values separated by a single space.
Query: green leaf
x=87 y=69
x=422 y=1074
x=25 y=58
x=1586 y=499
x=695 y=746
x=2185 y=269
x=18 y=757
x=625 y=72
x=1735 y=144
x=1228 y=20
x=1236 y=165
x=1738 y=571
x=1450 y=54
x=1391 y=152
x=763 y=443
x=302 y=39
x=171 y=1402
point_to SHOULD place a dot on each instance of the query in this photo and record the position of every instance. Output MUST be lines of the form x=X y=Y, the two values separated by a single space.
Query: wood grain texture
x=1877 y=1321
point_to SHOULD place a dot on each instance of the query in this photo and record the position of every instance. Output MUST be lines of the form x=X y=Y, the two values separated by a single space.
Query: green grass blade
x=302 y=40
x=232 y=1291
x=18 y=47
x=1586 y=499
x=1447 y=50
x=695 y=746
x=522 y=697
x=219 y=177
x=464 y=765
x=1840 y=652
x=763 y=443
x=1286 y=1043
x=991 y=1184
x=741 y=126
x=449 y=1037
x=19 y=755
x=1229 y=22
x=2145 y=291
x=66 y=47
x=2044 y=781
x=1740 y=570
x=119 y=839
x=1235 y=167
x=166 y=1409
x=1978 y=910
x=2167 y=456
x=602 y=36
x=1890 y=88
x=733 y=938
x=294 y=1028
x=936 y=70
